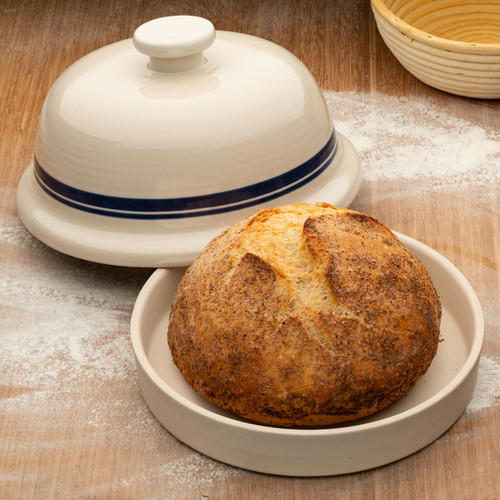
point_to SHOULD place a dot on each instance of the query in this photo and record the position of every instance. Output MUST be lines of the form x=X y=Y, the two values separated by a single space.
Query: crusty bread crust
x=304 y=315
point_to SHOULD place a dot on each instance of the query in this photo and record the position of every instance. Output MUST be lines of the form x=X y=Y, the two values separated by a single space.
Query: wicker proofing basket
x=453 y=45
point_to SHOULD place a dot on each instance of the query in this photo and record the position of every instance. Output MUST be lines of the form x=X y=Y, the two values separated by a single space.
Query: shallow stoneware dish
x=417 y=419
x=149 y=147
x=452 y=46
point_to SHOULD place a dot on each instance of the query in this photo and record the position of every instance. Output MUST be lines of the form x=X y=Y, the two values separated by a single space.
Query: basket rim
x=426 y=38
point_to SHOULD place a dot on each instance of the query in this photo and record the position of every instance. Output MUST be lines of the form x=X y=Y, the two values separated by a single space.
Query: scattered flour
x=487 y=391
x=198 y=469
x=62 y=326
x=414 y=139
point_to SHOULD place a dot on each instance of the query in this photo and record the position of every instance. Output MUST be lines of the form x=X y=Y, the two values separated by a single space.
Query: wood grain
x=90 y=457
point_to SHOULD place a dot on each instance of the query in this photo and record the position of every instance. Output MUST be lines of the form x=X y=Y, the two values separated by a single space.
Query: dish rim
x=428 y=38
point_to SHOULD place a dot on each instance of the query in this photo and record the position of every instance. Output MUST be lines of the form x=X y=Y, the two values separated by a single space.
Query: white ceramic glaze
x=429 y=409
x=177 y=131
x=452 y=46
x=174 y=37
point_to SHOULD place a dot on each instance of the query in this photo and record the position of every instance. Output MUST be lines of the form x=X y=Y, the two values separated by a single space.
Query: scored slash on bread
x=304 y=315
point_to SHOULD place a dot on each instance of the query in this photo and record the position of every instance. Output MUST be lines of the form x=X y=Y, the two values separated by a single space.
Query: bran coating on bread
x=304 y=315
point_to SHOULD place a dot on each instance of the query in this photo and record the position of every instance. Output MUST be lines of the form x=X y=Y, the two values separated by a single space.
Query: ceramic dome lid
x=180 y=123
x=149 y=147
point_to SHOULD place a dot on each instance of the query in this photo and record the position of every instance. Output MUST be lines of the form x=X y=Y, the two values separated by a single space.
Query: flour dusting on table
x=414 y=139
x=487 y=391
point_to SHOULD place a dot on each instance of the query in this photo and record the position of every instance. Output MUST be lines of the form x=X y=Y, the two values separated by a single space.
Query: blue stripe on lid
x=195 y=206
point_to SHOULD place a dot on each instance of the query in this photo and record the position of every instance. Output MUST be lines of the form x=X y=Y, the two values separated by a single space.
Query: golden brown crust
x=304 y=315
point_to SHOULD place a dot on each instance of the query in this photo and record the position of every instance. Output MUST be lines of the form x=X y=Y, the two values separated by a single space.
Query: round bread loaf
x=304 y=315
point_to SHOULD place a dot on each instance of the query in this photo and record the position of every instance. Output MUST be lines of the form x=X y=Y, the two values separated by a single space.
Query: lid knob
x=174 y=43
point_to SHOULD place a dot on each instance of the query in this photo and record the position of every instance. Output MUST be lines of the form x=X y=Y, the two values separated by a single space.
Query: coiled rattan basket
x=451 y=45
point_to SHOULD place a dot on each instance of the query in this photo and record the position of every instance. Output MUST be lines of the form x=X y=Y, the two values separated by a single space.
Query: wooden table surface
x=73 y=423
